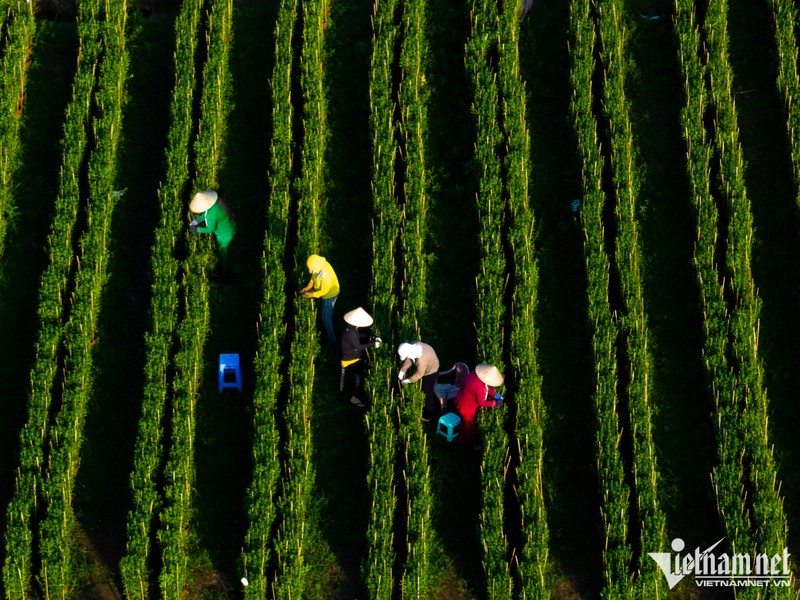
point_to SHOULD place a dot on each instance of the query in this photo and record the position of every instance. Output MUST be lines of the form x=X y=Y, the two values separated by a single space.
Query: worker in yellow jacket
x=323 y=285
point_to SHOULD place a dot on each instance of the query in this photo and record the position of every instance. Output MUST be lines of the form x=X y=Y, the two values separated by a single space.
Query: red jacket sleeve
x=486 y=399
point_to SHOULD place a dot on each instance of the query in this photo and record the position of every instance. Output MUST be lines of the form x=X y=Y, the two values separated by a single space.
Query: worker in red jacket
x=476 y=391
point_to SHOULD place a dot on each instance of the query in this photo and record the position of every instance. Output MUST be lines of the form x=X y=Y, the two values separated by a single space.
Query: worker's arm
x=406 y=365
x=210 y=224
x=324 y=287
x=488 y=399
x=416 y=376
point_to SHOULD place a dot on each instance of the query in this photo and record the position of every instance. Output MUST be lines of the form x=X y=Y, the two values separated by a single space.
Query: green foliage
x=298 y=482
x=262 y=494
x=633 y=325
x=98 y=90
x=192 y=331
x=16 y=44
x=387 y=217
x=745 y=477
x=414 y=95
x=160 y=339
x=786 y=15
x=532 y=568
x=610 y=466
x=491 y=284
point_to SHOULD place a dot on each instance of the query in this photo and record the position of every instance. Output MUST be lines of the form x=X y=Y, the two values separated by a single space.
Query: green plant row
x=311 y=190
x=532 y=560
x=745 y=477
x=786 y=16
x=54 y=295
x=263 y=491
x=650 y=524
x=57 y=535
x=160 y=338
x=6 y=7
x=749 y=407
x=413 y=128
x=491 y=285
x=192 y=331
x=16 y=46
x=377 y=570
x=614 y=490
x=728 y=476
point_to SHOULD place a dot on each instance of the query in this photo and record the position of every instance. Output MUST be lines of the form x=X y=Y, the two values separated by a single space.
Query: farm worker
x=426 y=367
x=323 y=285
x=354 y=356
x=215 y=217
x=477 y=391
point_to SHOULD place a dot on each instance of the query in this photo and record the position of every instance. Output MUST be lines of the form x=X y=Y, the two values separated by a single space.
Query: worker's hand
x=378 y=341
x=193 y=226
x=498 y=403
x=497 y=396
x=401 y=374
x=306 y=294
x=405 y=381
x=194 y=223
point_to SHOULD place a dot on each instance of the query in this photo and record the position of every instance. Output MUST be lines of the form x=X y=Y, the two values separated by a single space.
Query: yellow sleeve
x=324 y=287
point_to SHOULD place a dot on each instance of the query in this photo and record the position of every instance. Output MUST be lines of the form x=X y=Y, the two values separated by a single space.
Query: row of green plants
x=506 y=327
x=745 y=476
x=57 y=530
x=262 y=495
x=16 y=43
x=413 y=101
x=636 y=356
x=490 y=200
x=382 y=484
x=728 y=475
x=160 y=339
x=297 y=501
x=632 y=520
x=526 y=400
x=69 y=303
x=175 y=532
x=614 y=489
x=749 y=407
x=785 y=16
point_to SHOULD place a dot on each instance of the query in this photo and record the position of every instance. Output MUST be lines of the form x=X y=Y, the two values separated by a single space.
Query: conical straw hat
x=202 y=201
x=489 y=374
x=358 y=317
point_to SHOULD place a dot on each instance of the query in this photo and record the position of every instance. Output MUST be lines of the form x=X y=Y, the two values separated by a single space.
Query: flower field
x=599 y=197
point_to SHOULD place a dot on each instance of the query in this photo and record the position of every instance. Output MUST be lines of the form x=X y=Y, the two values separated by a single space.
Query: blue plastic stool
x=230 y=373
x=447 y=426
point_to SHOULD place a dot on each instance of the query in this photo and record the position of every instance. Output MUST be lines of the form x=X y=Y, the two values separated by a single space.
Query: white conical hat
x=489 y=374
x=358 y=317
x=202 y=201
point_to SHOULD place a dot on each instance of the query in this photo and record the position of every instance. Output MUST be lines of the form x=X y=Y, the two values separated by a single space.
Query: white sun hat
x=202 y=201
x=405 y=351
x=358 y=317
x=489 y=374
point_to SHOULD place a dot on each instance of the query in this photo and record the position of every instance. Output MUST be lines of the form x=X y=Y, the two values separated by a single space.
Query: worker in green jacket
x=214 y=217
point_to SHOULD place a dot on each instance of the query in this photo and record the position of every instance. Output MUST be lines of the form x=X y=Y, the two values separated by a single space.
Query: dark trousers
x=431 y=401
x=353 y=380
